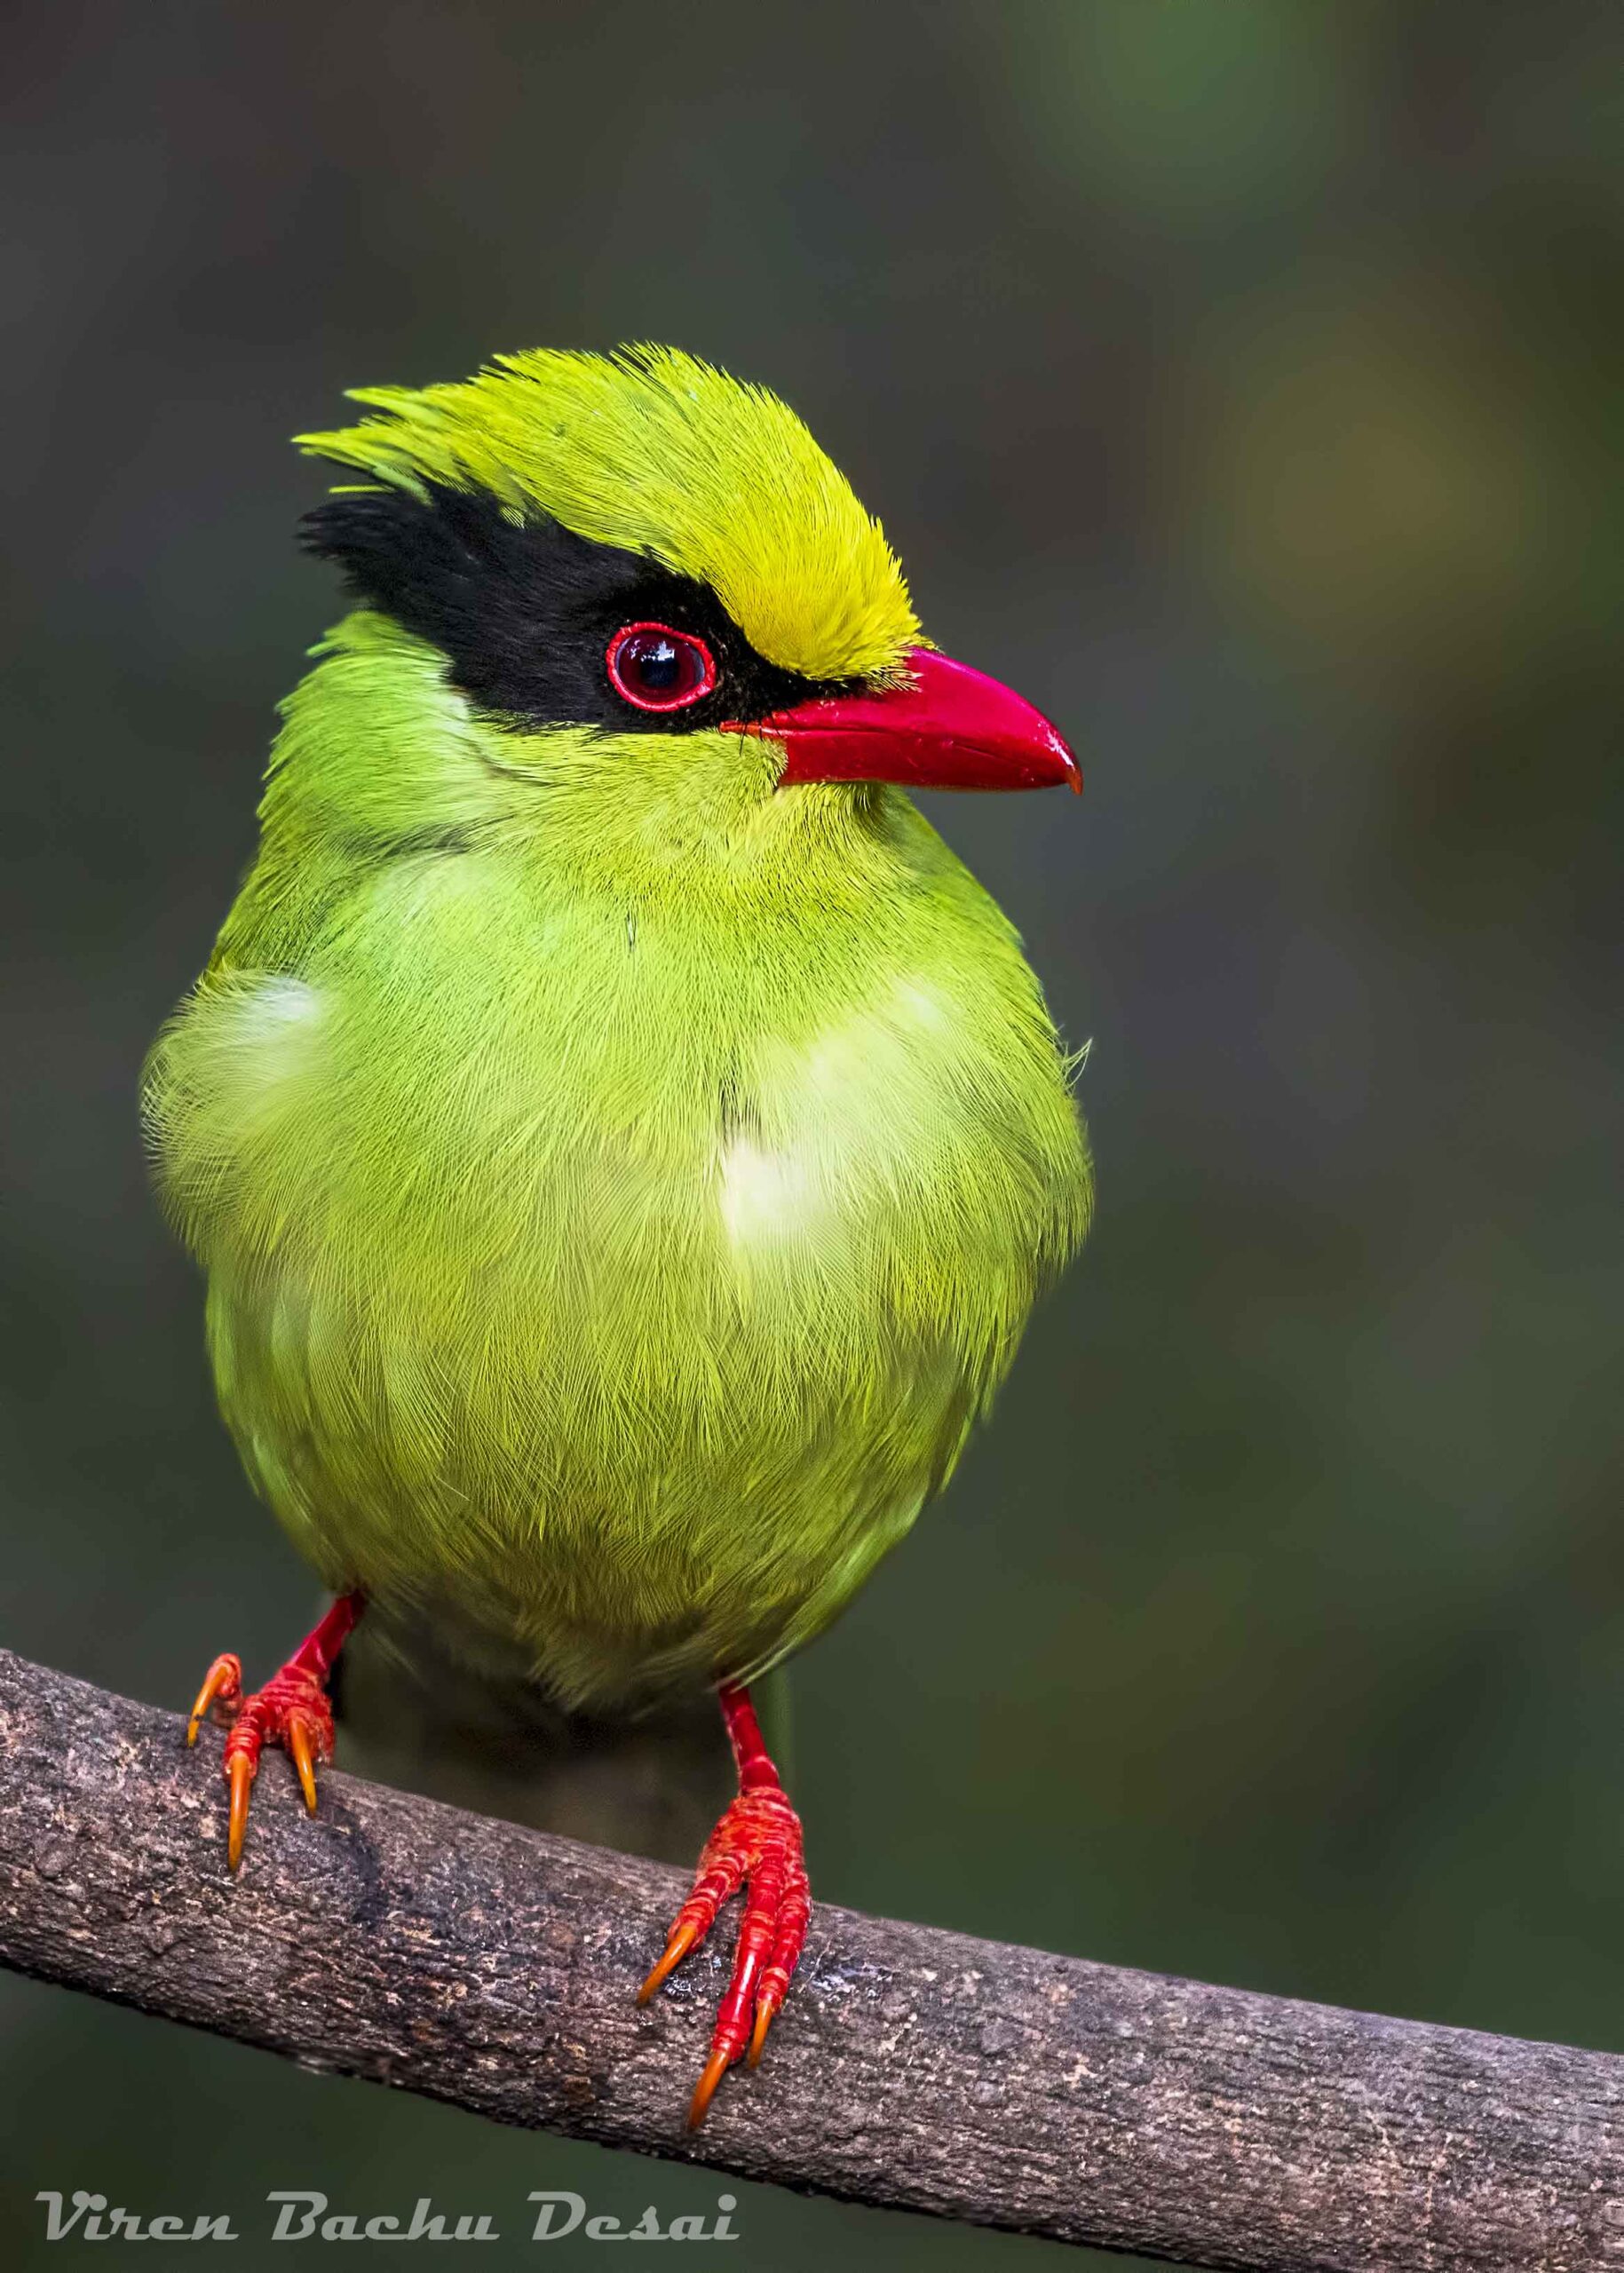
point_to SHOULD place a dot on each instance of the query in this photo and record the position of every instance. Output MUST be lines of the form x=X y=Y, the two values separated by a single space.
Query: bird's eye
x=656 y=668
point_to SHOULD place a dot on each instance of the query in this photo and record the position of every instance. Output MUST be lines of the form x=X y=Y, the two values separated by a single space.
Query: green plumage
x=620 y=1181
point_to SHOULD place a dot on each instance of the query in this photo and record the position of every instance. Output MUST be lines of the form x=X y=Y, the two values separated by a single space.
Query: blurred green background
x=1239 y=381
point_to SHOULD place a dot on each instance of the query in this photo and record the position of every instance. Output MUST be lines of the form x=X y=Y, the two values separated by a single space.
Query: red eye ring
x=655 y=668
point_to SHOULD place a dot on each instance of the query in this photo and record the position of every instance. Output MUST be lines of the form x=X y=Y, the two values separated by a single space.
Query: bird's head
x=634 y=567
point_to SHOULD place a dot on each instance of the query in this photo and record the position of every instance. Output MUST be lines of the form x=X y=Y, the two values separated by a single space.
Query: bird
x=623 y=1142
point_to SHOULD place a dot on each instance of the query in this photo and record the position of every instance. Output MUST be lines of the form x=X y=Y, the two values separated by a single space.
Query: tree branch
x=448 y=1953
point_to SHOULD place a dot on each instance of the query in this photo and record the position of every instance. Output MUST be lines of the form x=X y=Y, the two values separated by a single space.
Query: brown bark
x=398 y=1939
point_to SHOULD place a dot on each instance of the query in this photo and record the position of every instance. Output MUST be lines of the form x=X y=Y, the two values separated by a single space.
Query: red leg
x=291 y=1709
x=759 y=1839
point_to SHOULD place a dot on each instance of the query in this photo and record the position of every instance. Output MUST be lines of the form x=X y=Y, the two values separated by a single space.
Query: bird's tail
x=421 y=1720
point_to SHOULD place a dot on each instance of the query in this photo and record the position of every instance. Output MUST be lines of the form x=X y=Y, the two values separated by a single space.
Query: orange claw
x=224 y=1680
x=759 y=2037
x=242 y=1769
x=704 y=2091
x=303 y=1758
x=683 y=1938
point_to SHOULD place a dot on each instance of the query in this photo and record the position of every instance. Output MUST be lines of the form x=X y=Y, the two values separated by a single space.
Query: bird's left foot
x=756 y=1844
x=293 y=1710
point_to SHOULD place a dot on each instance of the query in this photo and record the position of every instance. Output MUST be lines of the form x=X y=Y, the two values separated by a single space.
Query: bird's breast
x=548 y=1125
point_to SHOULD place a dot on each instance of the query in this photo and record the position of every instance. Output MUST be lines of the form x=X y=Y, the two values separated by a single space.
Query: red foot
x=759 y=1839
x=292 y=1710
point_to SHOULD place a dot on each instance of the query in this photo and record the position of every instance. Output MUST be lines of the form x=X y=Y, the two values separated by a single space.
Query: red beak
x=952 y=728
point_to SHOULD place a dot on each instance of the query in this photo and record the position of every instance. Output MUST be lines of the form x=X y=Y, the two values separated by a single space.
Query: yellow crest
x=654 y=452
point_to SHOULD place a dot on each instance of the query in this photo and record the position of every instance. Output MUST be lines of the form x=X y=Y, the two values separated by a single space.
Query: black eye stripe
x=524 y=615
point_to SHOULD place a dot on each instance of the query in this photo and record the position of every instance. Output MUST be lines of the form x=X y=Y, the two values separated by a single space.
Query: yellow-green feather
x=621 y=1182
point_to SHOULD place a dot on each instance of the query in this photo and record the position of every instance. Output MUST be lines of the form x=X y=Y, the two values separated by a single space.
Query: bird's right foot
x=293 y=1710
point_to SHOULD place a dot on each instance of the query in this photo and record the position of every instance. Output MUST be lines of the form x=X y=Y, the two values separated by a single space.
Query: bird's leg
x=758 y=1841
x=292 y=1709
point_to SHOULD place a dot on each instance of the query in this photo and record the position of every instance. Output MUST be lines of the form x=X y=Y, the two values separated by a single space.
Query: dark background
x=1234 y=380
